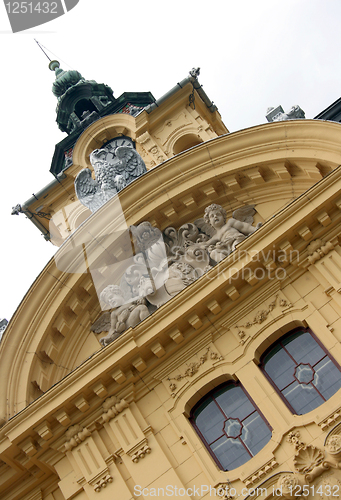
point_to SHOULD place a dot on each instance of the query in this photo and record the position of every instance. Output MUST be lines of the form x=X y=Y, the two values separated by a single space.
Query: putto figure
x=113 y=171
x=124 y=315
x=225 y=234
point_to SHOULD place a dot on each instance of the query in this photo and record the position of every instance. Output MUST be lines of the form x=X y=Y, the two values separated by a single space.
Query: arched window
x=230 y=425
x=301 y=370
x=83 y=106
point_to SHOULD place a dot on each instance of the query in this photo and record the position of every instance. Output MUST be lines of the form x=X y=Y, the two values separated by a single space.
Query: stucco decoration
x=113 y=406
x=124 y=315
x=318 y=249
x=310 y=463
x=166 y=263
x=194 y=367
x=288 y=484
x=333 y=445
x=260 y=317
x=307 y=459
x=75 y=435
x=225 y=234
x=294 y=439
x=113 y=171
x=278 y=115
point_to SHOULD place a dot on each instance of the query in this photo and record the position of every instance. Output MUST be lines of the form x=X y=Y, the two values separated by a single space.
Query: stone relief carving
x=223 y=491
x=113 y=406
x=166 y=263
x=225 y=234
x=327 y=422
x=278 y=115
x=261 y=472
x=113 y=170
x=318 y=249
x=307 y=459
x=294 y=439
x=193 y=368
x=75 y=435
x=333 y=445
x=124 y=315
x=310 y=463
x=261 y=316
x=287 y=484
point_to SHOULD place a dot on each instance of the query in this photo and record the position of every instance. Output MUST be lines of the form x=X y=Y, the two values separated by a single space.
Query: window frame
x=277 y=343
x=210 y=394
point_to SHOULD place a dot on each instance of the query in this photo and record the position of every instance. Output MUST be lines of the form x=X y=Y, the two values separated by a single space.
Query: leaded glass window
x=230 y=425
x=302 y=371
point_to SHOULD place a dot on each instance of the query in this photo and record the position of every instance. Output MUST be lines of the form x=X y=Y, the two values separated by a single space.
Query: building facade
x=220 y=374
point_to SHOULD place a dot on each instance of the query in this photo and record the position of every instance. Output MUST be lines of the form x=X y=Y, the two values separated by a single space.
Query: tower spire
x=42 y=49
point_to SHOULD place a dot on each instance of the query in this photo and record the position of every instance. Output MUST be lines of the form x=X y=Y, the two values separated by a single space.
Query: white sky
x=252 y=53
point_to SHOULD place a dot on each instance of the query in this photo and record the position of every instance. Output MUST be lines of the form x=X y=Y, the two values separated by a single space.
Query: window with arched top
x=230 y=425
x=301 y=371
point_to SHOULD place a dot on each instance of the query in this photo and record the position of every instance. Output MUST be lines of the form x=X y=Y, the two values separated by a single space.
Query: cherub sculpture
x=113 y=171
x=124 y=314
x=225 y=234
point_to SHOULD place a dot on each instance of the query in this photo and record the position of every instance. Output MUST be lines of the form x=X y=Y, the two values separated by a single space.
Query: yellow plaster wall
x=110 y=419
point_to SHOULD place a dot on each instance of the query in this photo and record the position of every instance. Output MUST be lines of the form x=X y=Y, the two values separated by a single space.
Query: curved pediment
x=268 y=167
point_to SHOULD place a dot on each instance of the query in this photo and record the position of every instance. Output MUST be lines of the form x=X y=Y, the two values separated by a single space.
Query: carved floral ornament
x=261 y=316
x=311 y=462
x=165 y=263
x=193 y=368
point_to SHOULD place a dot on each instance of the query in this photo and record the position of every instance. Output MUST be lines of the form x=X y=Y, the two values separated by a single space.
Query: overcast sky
x=252 y=53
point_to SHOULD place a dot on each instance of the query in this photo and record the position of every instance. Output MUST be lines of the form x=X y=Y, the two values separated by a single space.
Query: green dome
x=64 y=79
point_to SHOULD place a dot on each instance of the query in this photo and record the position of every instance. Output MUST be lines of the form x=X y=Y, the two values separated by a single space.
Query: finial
x=195 y=72
x=55 y=66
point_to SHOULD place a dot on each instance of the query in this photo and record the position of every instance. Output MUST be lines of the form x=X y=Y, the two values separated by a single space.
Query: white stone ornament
x=278 y=115
x=114 y=169
x=168 y=262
